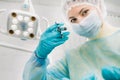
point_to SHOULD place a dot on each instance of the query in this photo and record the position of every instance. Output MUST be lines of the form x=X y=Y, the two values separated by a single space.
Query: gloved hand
x=50 y=39
x=111 y=73
x=65 y=79
x=90 y=77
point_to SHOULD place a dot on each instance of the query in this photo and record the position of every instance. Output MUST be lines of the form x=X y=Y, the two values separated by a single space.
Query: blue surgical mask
x=89 y=27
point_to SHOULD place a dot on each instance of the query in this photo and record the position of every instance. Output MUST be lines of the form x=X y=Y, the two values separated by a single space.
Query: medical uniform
x=77 y=63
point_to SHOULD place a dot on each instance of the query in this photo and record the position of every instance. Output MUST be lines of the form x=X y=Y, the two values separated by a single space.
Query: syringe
x=60 y=29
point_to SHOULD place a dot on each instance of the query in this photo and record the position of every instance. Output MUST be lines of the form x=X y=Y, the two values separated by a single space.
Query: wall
x=12 y=61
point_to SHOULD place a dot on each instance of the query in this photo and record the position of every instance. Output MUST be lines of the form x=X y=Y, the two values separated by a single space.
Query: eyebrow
x=81 y=10
x=71 y=17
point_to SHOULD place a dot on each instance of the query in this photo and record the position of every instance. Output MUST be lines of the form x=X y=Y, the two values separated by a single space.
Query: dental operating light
x=2 y=10
x=23 y=23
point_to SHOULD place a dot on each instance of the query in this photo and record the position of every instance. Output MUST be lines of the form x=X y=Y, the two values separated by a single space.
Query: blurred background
x=14 y=52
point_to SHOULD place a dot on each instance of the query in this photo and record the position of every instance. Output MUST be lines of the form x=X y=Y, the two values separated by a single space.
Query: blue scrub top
x=77 y=63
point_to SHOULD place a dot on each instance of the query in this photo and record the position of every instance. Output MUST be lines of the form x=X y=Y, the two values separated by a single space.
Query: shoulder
x=75 y=51
x=115 y=34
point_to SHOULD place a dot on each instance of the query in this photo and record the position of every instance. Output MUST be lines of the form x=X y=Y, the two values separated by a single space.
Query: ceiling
x=40 y=2
x=112 y=5
x=57 y=2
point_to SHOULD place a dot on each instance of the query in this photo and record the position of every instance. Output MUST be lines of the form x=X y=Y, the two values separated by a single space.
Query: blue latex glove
x=111 y=73
x=50 y=39
x=90 y=77
x=65 y=79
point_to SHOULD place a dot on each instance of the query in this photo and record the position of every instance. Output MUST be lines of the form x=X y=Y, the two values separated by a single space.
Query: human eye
x=73 y=20
x=85 y=12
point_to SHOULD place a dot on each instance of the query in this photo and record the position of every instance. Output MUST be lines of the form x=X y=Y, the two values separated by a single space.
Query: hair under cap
x=68 y=4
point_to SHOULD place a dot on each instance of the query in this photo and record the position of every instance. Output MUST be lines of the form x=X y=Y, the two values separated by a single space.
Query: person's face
x=78 y=13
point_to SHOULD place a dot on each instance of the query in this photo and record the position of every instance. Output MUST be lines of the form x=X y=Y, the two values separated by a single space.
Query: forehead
x=76 y=9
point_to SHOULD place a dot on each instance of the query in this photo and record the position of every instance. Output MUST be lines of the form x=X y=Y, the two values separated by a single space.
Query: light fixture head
x=22 y=24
